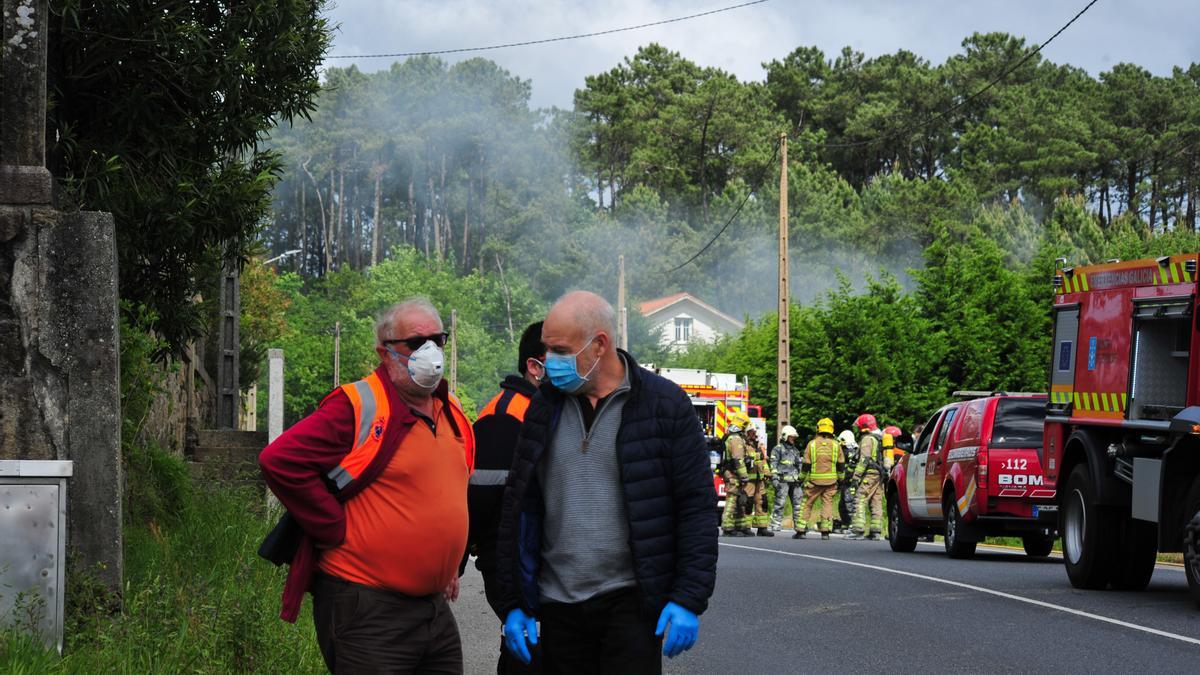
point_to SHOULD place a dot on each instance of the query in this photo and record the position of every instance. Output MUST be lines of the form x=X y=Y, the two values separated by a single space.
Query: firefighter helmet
x=788 y=431
x=847 y=439
x=825 y=426
x=738 y=421
x=866 y=421
x=893 y=430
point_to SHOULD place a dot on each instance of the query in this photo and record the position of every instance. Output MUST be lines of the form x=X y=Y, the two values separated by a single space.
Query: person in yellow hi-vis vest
x=735 y=520
x=870 y=476
x=822 y=464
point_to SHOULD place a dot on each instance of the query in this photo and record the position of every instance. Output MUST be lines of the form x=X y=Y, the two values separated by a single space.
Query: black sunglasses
x=414 y=343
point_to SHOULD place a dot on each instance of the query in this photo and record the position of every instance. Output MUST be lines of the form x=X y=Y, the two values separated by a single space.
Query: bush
x=197 y=599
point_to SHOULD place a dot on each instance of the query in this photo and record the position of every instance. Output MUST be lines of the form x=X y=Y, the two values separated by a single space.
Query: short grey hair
x=594 y=314
x=387 y=319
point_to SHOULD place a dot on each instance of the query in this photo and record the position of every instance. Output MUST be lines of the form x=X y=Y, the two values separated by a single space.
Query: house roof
x=657 y=305
x=652 y=306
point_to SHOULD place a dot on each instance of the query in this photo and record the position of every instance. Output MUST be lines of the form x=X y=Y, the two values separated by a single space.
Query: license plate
x=1044 y=509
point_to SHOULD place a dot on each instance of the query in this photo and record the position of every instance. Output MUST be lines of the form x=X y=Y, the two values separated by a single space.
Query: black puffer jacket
x=667 y=485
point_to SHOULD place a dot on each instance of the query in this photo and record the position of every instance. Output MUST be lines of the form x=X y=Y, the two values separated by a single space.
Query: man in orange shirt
x=376 y=479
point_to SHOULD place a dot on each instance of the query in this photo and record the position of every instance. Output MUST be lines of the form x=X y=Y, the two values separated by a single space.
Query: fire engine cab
x=1122 y=435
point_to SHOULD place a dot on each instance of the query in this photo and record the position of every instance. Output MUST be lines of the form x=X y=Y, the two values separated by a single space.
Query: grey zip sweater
x=585 y=544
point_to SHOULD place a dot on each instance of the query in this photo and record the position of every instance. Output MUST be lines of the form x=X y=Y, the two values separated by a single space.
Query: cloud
x=1150 y=34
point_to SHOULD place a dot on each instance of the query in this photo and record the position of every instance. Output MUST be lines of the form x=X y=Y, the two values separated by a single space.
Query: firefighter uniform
x=735 y=521
x=785 y=464
x=760 y=477
x=868 y=518
x=847 y=494
x=823 y=462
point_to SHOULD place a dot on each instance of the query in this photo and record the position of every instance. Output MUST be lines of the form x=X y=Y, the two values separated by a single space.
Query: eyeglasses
x=414 y=343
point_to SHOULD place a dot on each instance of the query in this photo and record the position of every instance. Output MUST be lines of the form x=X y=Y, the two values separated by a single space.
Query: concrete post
x=274 y=394
x=274 y=409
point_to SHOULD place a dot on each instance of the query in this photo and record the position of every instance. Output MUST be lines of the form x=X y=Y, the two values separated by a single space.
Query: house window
x=683 y=329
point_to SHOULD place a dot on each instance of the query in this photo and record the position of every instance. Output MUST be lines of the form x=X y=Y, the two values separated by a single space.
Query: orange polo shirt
x=407 y=530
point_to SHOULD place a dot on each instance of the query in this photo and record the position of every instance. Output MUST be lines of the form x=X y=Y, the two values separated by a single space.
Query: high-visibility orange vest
x=507 y=402
x=372 y=412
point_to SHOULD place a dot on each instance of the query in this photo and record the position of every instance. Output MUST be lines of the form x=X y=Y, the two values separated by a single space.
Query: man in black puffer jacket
x=608 y=532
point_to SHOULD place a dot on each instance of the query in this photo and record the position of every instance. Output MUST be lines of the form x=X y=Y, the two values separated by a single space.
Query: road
x=787 y=606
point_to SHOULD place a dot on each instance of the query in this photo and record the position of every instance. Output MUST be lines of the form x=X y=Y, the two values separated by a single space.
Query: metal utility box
x=33 y=527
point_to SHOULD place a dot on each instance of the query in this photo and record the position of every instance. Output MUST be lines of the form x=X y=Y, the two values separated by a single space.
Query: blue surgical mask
x=563 y=372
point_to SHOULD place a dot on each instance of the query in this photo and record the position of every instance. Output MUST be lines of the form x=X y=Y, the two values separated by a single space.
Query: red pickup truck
x=975 y=471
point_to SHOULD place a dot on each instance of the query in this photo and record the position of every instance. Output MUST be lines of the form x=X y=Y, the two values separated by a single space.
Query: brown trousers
x=826 y=494
x=369 y=630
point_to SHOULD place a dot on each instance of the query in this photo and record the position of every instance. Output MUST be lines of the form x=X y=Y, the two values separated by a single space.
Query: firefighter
x=734 y=520
x=760 y=474
x=821 y=465
x=869 y=478
x=847 y=494
x=785 y=465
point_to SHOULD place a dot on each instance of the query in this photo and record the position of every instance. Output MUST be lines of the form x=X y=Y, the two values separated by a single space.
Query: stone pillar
x=274 y=394
x=23 y=175
x=59 y=342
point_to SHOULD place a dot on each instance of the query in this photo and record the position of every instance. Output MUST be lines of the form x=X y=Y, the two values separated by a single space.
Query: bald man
x=608 y=531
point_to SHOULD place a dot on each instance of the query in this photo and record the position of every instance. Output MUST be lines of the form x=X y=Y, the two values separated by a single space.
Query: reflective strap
x=366 y=414
x=340 y=477
x=487 y=477
x=822 y=476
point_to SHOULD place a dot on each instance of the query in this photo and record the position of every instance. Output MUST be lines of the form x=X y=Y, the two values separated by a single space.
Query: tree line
x=927 y=203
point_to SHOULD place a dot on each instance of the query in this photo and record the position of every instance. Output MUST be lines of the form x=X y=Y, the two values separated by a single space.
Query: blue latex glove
x=682 y=634
x=518 y=627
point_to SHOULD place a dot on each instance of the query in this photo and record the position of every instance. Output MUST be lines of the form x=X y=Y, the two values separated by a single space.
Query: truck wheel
x=1191 y=555
x=1038 y=545
x=955 y=548
x=1191 y=543
x=1088 y=533
x=1136 y=555
x=898 y=543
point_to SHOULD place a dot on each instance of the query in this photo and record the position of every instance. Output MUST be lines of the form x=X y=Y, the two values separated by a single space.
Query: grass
x=196 y=596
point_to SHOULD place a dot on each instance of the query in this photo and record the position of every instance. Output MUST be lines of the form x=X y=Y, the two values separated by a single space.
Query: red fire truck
x=715 y=397
x=1122 y=435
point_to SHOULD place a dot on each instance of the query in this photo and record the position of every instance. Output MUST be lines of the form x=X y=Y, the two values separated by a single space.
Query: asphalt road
x=787 y=606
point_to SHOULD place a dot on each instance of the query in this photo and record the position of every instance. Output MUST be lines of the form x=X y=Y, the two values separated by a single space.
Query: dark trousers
x=610 y=633
x=368 y=630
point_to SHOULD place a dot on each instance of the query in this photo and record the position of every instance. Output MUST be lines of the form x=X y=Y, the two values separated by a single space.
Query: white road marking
x=981 y=589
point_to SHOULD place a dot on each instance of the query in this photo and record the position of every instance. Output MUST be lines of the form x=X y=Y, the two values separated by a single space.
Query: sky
x=1150 y=33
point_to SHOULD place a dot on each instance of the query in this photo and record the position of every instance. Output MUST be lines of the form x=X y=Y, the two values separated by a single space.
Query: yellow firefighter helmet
x=825 y=426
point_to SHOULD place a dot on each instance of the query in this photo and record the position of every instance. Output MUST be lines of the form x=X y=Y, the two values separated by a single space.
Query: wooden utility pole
x=784 y=411
x=337 y=354
x=453 y=351
x=622 y=317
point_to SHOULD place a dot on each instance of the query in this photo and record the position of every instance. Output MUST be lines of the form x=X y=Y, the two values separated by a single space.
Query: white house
x=682 y=318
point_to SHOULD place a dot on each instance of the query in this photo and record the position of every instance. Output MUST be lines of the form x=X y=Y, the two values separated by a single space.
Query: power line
x=954 y=108
x=548 y=40
x=762 y=175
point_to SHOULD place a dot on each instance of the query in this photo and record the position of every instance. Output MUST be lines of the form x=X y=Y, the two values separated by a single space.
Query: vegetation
x=158 y=110
x=927 y=204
